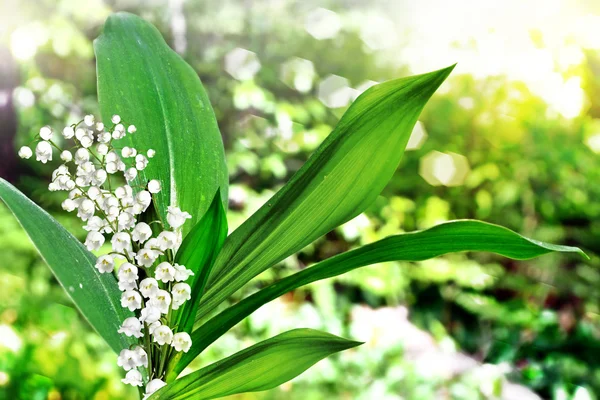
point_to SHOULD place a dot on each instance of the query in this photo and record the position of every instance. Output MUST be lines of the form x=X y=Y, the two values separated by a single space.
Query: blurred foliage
x=511 y=155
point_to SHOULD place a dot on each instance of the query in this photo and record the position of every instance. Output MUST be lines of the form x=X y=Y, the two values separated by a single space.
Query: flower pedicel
x=98 y=176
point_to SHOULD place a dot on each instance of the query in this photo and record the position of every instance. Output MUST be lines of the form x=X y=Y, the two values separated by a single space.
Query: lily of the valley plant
x=153 y=183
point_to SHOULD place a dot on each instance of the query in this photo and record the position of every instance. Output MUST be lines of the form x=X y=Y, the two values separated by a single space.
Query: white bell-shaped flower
x=167 y=240
x=175 y=217
x=127 y=359
x=131 y=299
x=82 y=156
x=149 y=287
x=105 y=264
x=133 y=378
x=43 y=152
x=141 y=232
x=162 y=301
x=121 y=242
x=146 y=257
x=182 y=273
x=125 y=286
x=128 y=272
x=182 y=342
x=131 y=327
x=165 y=272
x=25 y=152
x=163 y=335
x=94 y=240
x=142 y=356
x=150 y=314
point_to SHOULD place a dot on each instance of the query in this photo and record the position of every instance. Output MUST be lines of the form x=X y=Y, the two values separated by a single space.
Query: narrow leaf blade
x=141 y=79
x=96 y=295
x=449 y=237
x=263 y=366
x=346 y=173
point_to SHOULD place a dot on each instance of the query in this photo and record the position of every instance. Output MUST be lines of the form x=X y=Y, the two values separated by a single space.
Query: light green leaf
x=198 y=253
x=449 y=237
x=263 y=366
x=344 y=175
x=149 y=85
x=96 y=295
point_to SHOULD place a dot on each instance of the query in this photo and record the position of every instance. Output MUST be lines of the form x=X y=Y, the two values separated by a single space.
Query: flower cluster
x=99 y=177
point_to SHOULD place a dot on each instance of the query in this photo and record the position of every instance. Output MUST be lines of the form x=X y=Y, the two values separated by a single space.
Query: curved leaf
x=344 y=175
x=263 y=366
x=449 y=237
x=96 y=295
x=149 y=85
x=198 y=253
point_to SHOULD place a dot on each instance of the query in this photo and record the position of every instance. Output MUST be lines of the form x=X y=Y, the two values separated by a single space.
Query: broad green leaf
x=198 y=253
x=263 y=366
x=96 y=295
x=344 y=175
x=454 y=236
x=141 y=79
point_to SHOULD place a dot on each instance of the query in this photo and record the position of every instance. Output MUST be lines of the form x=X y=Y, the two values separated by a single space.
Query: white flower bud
x=99 y=126
x=82 y=156
x=115 y=119
x=131 y=129
x=68 y=132
x=151 y=153
x=69 y=205
x=130 y=174
x=46 y=133
x=102 y=149
x=86 y=209
x=153 y=386
x=25 y=152
x=88 y=120
x=66 y=156
x=154 y=186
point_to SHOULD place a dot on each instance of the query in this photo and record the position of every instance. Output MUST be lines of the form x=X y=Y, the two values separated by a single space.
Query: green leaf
x=141 y=79
x=449 y=237
x=263 y=366
x=344 y=175
x=198 y=253
x=96 y=295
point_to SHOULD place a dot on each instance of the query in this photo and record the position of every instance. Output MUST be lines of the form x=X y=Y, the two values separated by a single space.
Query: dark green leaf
x=198 y=253
x=96 y=295
x=263 y=366
x=344 y=175
x=455 y=236
x=149 y=85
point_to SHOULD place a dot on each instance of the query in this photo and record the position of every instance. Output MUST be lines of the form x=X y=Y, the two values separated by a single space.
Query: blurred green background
x=512 y=137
